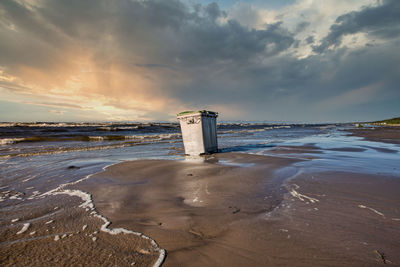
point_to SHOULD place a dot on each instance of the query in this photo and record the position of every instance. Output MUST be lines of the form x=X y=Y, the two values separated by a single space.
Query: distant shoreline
x=386 y=134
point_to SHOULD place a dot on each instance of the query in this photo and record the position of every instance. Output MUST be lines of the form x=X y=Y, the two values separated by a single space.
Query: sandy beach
x=196 y=210
x=387 y=134
x=235 y=210
x=232 y=133
x=225 y=209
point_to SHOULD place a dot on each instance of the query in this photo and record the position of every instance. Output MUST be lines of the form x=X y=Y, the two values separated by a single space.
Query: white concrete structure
x=199 y=131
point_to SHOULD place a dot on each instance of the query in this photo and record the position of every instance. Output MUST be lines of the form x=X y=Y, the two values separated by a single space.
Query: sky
x=147 y=60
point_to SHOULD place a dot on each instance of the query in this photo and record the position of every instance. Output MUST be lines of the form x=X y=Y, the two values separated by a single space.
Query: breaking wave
x=156 y=137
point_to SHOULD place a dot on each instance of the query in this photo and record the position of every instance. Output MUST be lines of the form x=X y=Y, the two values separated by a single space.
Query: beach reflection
x=195 y=159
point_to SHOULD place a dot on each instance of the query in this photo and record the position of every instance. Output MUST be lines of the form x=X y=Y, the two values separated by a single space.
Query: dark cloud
x=301 y=26
x=214 y=12
x=310 y=39
x=163 y=32
x=381 y=21
x=153 y=34
x=26 y=40
x=198 y=57
x=230 y=42
x=290 y=88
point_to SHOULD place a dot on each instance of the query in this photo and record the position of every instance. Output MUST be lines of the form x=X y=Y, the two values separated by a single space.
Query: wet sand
x=249 y=210
x=227 y=209
x=304 y=149
x=351 y=218
x=195 y=210
x=61 y=227
x=60 y=233
x=385 y=134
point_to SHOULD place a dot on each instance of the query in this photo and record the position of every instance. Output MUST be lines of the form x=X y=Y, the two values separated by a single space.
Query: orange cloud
x=115 y=89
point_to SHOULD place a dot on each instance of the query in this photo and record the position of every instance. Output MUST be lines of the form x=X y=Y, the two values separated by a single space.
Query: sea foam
x=88 y=205
x=24 y=228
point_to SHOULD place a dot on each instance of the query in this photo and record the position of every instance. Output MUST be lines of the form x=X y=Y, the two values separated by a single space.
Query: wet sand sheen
x=223 y=213
x=61 y=233
x=385 y=134
x=192 y=209
x=231 y=210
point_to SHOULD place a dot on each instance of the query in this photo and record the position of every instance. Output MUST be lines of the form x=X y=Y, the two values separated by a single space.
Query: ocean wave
x=252 y=130
x=283 y=126
x=59 y=150
x=39 y=124
x=106 y=125
x=157 y=137
x=240 y=131
x=9 y=141
x=135 y=137
x=118 y=128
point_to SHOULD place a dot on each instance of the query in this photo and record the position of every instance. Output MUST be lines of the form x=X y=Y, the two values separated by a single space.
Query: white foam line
x=24 y=228
x=88 y=205
x=371 y=209
x=296 y=194
x=395 y=219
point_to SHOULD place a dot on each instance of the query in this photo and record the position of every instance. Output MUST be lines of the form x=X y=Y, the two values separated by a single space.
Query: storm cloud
x=382 y=21
x=134 y=60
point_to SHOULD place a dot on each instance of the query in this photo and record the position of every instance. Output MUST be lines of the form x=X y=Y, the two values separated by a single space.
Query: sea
x=38 y=160
x=36 y=157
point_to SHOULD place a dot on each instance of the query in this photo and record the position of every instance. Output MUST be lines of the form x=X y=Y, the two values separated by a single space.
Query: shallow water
x=43 y=156
x=341 y=152
x=38 y=158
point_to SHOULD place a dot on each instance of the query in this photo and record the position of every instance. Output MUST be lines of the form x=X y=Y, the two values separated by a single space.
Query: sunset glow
x=147 y=60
